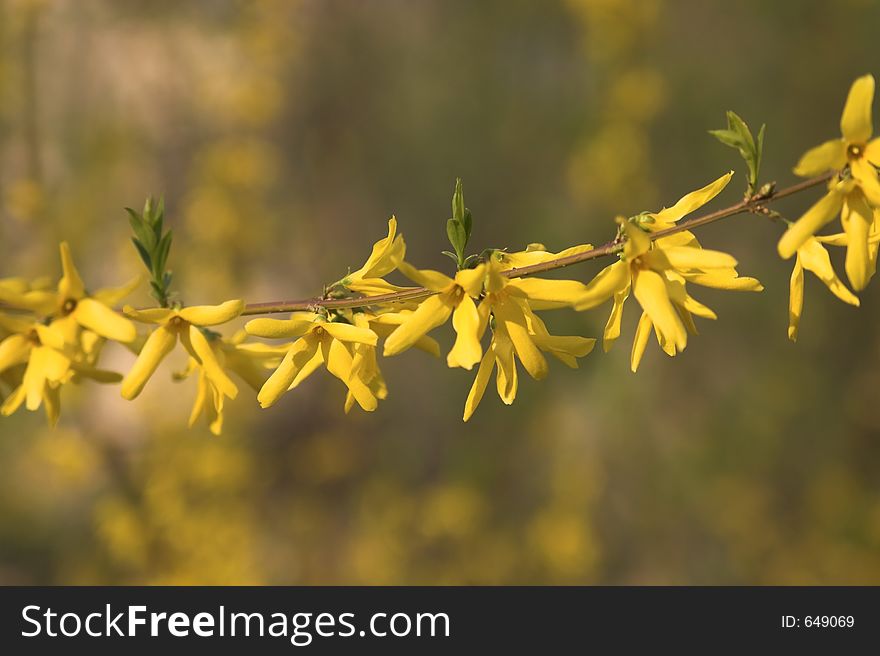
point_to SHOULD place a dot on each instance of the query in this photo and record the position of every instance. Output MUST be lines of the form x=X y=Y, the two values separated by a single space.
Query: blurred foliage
x=283 y=134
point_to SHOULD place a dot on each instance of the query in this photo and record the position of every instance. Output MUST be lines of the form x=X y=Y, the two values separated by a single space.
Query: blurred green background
x=283 y=134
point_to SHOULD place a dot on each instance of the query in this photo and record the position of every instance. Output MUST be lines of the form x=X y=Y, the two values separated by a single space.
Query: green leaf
x=451 y=256
x=739 y=136
x=457 y=237
x=467 y=222
x=728 y=138
x=145 y=256
x=735 y=123
x=162 y=250
x=458 y=201
x=140 y=229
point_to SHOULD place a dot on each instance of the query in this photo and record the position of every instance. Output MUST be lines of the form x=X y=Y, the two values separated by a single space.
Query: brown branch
x=614 y=246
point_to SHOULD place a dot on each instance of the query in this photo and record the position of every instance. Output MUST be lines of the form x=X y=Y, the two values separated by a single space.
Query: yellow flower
x=453 y=297
x=180 y=324
x=248 y=361
x=501 y=352
x=386 y=256
x=47 y=366
x=74 y=309
x=507 y=299
x=855 y=196
x=656 y=273
x=812 y=256
x=320 y=342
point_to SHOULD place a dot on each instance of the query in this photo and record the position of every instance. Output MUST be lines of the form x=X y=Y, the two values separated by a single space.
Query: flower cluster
x=54 y=335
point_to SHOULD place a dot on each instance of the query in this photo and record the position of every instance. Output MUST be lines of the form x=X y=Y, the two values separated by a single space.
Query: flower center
x=319 y=331
x=34 y=338
x=68 y=306
x=854 y=151
x=176 y=322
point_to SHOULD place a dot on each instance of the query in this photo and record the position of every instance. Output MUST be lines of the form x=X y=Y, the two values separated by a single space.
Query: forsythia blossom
x=854 y=193
x=813 y=257
x=321 y=342
x=657 y=272
x=181 y=324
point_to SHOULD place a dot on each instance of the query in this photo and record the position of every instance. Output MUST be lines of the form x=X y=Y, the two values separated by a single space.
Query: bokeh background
x=283 y=134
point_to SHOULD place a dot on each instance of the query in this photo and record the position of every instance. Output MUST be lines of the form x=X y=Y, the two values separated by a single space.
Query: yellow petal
x=52 y=404
x=828 y=156
x=375 y=287
x=71 y=285
x=612 y=327
x=100 y=319
x=35 y=377
x=572 y=345
x=872 y=152
x=637 y=241
x=467 y=350
x=427 y=278
x=813 y=220
x=697 y=258
x=300 y=352
x=14 y=350
x=814 y=258
x=13 y=401
x=432 y=312
x=514 y=323
x=471 y=280
x=725 y=279
x=339 y=363
x=506 y=379
x=856 y=218
x=795 y=300
x=690 y=202
x=475 y=395
x=113 y=295
x=347 y=333
x=159 y=344
x=205 y=354
x=280 y=328
x=565 y=292
x=640 y=341
x=385 y=257
x=212 y=315
x=609 y=281
x=650 y=290
x=199 y=402
x=309 y=362
x=54 y=334
x=855 y=123
x=866 y=174
x=149 y=315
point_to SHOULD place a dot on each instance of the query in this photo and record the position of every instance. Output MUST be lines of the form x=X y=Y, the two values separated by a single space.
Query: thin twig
x=609 y=248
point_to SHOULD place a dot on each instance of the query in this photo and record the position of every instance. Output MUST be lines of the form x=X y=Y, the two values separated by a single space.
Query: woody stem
x=610 y=248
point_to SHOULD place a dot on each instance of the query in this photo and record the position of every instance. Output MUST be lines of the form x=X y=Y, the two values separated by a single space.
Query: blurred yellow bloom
x=180 y=324
x=320 y=342
x=386 y=256
x=47 y=366
x=72 y=308
x=856 y=195
x=812 y=256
